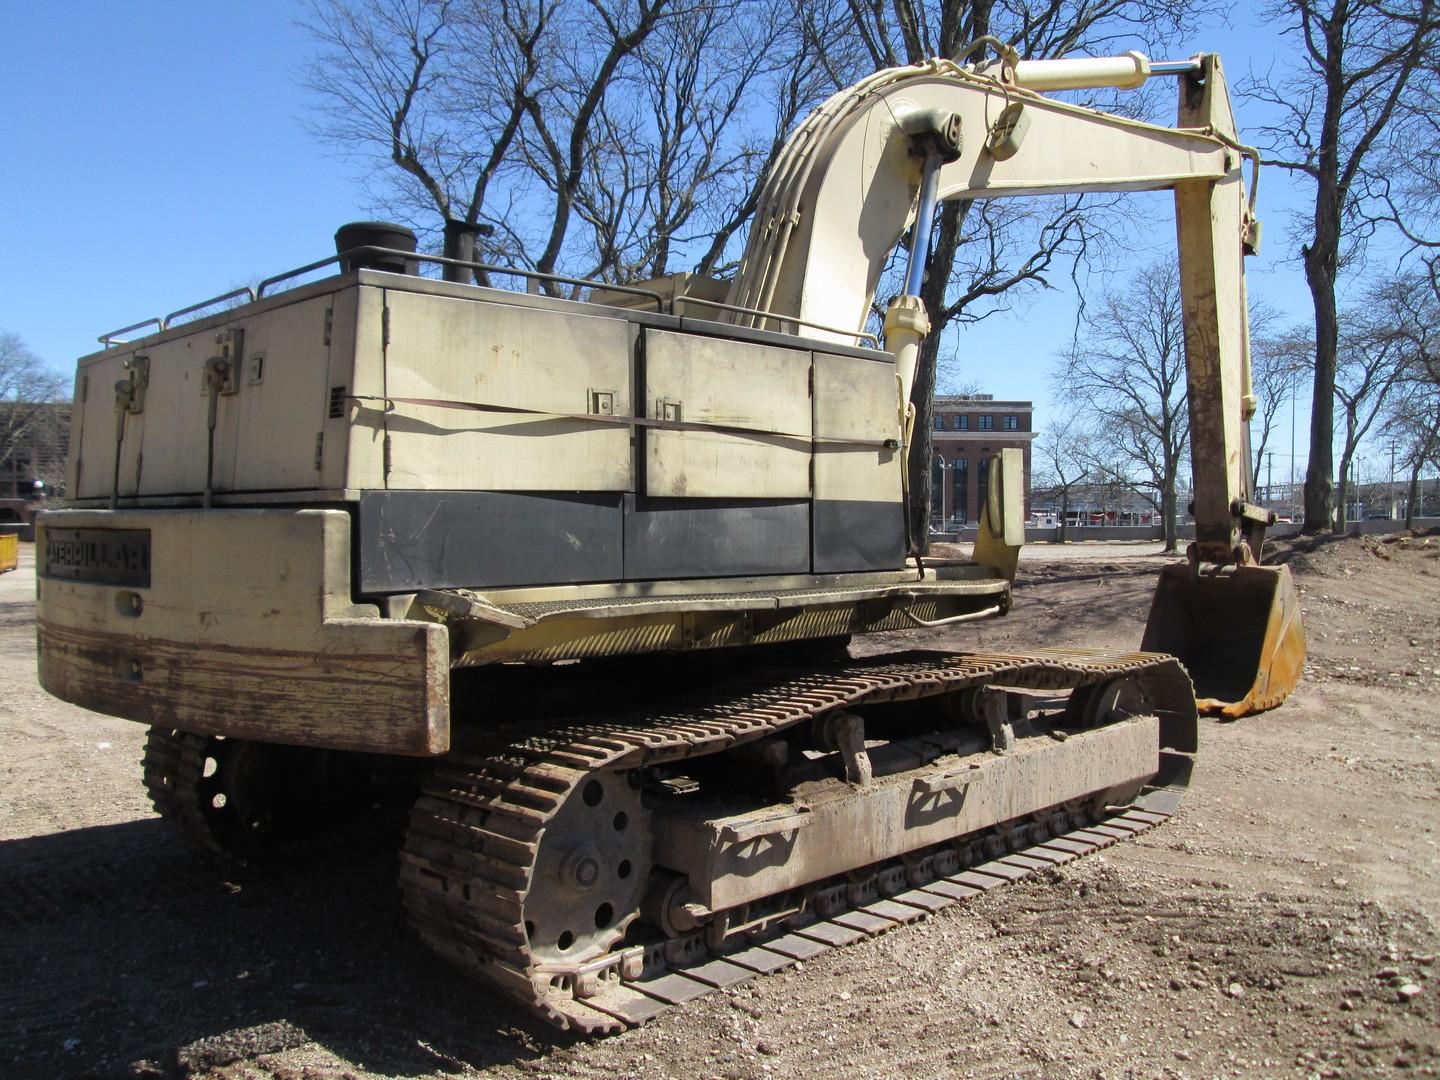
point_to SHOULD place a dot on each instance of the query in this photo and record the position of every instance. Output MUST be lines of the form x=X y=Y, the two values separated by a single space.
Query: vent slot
x=337 y=403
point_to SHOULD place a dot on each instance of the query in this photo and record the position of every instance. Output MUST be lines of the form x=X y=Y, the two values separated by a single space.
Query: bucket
x=1236 y=629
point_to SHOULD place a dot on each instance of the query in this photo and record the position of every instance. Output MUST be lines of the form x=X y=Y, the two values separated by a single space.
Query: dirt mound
x=1333 y=556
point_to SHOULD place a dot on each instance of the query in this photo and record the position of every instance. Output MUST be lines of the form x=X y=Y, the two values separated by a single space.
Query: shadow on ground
x=127 y=954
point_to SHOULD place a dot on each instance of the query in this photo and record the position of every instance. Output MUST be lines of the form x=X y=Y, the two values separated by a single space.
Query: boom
x=878 y=155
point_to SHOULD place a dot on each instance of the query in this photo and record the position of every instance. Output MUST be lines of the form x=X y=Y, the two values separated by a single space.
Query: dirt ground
x=1284 y=924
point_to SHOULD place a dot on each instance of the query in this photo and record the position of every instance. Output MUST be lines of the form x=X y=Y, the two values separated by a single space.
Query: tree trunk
x=1414 y=493
x=1064 y=512
x=922 y=395
x=1168 y=513
x=922 y=445
x=1320 y=261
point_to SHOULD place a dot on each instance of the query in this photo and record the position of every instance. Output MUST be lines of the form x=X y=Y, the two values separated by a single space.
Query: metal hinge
x=329 y=323
x=385 y=456
x=132 y=388
x=221 y=371
x=385 y=326
x=319 y=449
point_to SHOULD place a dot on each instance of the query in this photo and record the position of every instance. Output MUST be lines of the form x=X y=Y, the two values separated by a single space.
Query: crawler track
x=254 y=803
x=174 y=768
x=476 y=835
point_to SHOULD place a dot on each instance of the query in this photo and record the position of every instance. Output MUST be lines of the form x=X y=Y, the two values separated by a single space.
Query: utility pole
x=1269 y=476
x=1293 y=509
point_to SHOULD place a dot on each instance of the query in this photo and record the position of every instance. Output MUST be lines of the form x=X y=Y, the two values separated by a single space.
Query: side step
x=635 y=1001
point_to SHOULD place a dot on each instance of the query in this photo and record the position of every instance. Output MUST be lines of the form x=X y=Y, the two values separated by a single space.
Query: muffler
x=1236 y=629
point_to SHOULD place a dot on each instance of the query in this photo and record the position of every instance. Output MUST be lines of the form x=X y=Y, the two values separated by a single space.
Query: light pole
x=1293 y=509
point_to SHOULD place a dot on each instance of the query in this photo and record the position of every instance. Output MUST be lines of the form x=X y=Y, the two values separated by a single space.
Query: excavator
x=563 y=588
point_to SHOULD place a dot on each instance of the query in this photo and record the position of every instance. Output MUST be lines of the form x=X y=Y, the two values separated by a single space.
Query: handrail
x=112 y=337
x=445 y=260
x=244 y=290
x=874 y=338
x=512 y=271
x=258 y=291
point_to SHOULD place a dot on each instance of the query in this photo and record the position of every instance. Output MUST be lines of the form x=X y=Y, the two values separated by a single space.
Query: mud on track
x=1268 y=931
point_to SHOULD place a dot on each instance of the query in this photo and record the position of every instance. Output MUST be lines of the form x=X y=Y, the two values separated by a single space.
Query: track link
x=174 y=768
x=473 y=854
x=255 y=803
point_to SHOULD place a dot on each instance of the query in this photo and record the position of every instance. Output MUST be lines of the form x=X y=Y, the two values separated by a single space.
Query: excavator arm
x=876 y=158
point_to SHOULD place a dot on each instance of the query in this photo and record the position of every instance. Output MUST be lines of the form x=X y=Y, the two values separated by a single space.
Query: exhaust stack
x=376 y=234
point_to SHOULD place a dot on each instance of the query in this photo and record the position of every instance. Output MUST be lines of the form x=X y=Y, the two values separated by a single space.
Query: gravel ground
x=1284 y=924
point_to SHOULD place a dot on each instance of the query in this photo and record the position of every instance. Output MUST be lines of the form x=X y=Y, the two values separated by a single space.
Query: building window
x=939 y=422
x=982 y=485
x=962 y=423
x=987 y=423
x=1011 y=423
x=962 y=489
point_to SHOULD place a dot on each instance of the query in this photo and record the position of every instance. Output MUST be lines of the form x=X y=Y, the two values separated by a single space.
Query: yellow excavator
x=567 y=585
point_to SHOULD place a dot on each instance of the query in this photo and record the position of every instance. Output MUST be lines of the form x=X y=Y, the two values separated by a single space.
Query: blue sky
x=156 y=154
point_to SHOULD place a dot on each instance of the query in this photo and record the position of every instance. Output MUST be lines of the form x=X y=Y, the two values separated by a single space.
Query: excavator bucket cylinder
x=1236 y=629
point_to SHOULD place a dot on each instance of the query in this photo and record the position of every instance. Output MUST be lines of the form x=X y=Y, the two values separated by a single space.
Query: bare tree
x=1412 y=416
x=602 y=138
x=49 y=440
x=1411 y=194
x=682 y=151
x=1373 y=355
x=1412 y=421
x=1279 y=363
x=1358 y=61
x=1128 y=372
x=29 y=392
x=1063 y=455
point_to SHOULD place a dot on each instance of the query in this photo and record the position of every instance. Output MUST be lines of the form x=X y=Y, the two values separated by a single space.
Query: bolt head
x=587 y=871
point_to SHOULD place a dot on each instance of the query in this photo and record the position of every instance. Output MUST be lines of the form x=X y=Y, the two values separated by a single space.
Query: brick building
x=970 y=429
